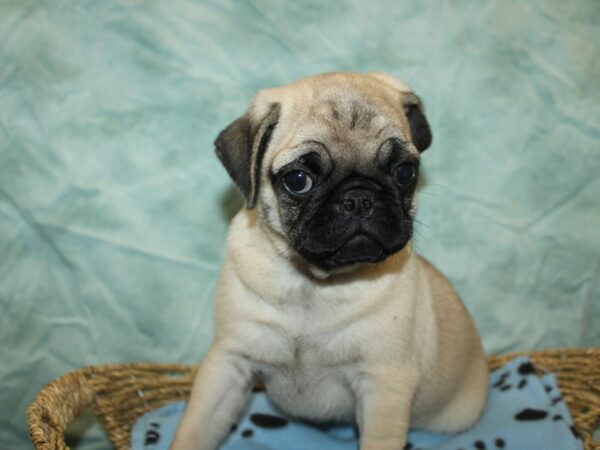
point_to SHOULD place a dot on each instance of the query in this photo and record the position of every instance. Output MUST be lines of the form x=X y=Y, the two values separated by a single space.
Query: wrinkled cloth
x=523 y=412
x=114 y=208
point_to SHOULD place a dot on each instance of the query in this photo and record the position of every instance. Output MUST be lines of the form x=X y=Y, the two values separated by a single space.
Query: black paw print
x=266 y=421
x=498 y=443
x=554 y=400
x=530 y=414
x=524 y=370
x=152 y=435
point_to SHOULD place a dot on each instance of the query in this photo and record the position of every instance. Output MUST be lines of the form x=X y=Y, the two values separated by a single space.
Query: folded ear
x=413 y=108
x=241 y=147
x=419 y=127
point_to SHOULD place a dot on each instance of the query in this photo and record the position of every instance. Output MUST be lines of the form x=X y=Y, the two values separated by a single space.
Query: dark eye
x=406 y=174
x=297 y=182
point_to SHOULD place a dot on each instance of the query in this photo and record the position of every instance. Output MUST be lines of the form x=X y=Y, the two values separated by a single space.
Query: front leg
x=221 y=390
x=385 y=397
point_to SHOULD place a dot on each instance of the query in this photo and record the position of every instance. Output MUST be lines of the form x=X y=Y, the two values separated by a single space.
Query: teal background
x=113 y=207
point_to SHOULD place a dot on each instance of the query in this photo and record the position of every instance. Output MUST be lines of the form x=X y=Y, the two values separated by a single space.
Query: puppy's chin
x=359 y=251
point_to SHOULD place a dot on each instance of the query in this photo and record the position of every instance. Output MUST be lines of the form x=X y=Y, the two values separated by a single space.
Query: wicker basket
x=119 y=394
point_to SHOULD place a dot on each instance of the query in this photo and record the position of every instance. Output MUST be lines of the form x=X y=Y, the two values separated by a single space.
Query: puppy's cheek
x=268 y=210
x=288 y=216
x=412 y=209
x=265 y=212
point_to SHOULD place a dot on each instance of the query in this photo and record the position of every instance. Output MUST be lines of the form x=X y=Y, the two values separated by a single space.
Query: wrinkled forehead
x=344 y=123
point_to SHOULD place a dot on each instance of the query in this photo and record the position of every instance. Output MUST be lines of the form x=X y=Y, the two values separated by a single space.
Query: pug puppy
x=320 y=296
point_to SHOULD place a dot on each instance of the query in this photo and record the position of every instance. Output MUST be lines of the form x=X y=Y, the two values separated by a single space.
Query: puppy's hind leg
x=220 y=392
x=464 y=407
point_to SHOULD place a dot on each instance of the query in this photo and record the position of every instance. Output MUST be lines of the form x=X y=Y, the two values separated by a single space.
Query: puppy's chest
x=302 y=337
x=302 y=348
x=321 y=351
x=311 y=350
x=313 y=381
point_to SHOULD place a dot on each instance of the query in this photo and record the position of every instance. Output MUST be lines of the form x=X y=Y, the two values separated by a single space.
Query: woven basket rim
x=61 y=400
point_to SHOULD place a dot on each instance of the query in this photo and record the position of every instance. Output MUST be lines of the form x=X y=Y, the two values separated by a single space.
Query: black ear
x=419 y=127
x=241 y=147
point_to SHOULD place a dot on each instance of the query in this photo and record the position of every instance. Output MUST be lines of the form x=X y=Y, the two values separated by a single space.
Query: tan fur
x=386 y=344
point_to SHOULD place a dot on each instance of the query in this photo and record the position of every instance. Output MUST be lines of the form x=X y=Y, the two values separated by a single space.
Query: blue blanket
x=114 y=208
x=523 y=412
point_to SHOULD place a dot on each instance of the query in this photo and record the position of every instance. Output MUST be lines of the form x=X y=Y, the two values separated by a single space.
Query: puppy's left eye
x=297 y=182
x=406 y=174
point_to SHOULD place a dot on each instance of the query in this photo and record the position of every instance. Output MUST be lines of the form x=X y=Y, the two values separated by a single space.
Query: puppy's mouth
x=359 y=248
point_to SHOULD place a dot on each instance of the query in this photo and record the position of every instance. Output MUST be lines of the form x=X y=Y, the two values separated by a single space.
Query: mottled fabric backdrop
x=114 y=209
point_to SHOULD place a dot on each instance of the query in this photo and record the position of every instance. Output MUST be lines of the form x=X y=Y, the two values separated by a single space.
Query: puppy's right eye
x=405 y=174
x=297 y=182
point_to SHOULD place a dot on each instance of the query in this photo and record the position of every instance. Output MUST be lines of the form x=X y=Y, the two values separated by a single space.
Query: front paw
x=383 y=444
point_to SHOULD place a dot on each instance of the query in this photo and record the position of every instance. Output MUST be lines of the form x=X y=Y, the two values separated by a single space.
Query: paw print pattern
x=265 y=421
x=555 y=398
x=268 y=421
x=524 y=370
x=498 y=443
x=152 y=435
x=529 y=414
x=500 y=384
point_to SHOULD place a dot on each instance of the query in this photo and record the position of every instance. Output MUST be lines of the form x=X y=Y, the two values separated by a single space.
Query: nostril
x=349 y=204
x=366 y=203
x=358 y=203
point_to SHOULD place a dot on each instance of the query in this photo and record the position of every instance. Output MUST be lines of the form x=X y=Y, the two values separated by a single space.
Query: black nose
x=358 y=202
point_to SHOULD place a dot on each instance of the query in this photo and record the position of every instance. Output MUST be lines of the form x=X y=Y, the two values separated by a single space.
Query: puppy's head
x=331 y=163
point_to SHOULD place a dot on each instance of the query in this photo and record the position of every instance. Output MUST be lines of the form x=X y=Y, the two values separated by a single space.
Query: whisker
x=422 y=223
x=431 y=193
